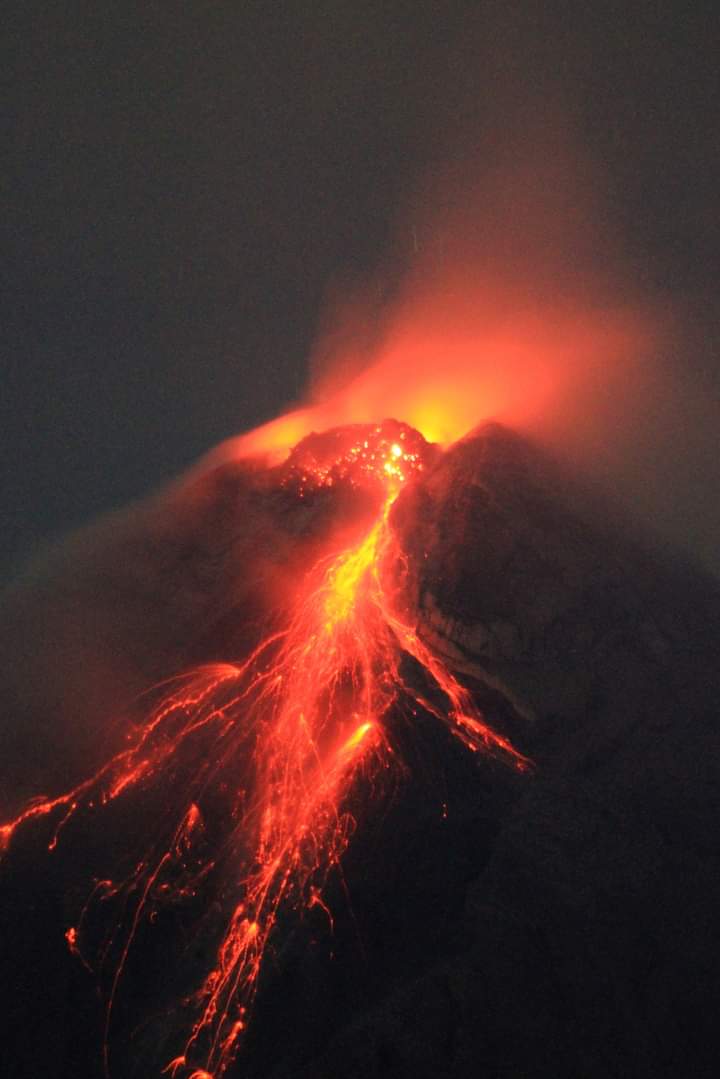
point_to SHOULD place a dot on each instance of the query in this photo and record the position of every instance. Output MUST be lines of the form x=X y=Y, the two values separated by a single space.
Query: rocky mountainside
x=560 y=923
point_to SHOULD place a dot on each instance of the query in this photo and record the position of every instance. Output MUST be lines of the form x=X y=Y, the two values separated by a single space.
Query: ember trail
x=286 y=732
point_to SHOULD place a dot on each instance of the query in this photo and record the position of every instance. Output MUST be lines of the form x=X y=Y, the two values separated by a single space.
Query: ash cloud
x=533 y=278
x=513 y=293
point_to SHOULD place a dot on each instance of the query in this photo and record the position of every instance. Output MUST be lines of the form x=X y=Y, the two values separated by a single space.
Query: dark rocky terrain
x=506 y=926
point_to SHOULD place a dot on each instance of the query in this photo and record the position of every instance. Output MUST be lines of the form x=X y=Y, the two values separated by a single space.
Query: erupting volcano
x=244 y=768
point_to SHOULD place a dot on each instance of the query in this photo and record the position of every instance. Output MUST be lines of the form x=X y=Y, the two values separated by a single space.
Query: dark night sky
x=183 y=184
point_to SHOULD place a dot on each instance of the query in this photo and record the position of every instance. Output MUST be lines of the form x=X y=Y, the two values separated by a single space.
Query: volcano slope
x=487 y=923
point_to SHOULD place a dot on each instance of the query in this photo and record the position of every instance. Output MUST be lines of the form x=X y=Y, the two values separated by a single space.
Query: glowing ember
x=380 y=456
x=285 y=733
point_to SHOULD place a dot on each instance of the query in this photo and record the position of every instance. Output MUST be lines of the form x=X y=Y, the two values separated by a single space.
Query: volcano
x=437 y=797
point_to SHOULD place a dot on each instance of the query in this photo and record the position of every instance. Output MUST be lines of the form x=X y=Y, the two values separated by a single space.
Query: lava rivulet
x=285 y=733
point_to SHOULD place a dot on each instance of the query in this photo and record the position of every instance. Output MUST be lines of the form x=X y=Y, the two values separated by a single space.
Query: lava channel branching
x=285 y=733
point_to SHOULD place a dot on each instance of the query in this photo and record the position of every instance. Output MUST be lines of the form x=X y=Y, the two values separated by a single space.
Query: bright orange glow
x=357 y=736
x=516 y=306
x=448 y=364
x=288 y=732
x=343 y=579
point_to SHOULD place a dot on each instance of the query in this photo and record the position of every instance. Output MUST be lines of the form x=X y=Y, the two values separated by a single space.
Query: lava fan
x=244 y=768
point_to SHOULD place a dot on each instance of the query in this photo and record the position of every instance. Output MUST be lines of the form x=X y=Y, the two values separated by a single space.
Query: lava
x=285 y=734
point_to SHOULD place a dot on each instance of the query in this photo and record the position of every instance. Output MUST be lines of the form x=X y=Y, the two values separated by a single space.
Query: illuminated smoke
x=512 y=298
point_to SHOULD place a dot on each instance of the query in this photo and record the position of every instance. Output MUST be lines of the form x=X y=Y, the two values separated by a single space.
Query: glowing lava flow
x=289 y=731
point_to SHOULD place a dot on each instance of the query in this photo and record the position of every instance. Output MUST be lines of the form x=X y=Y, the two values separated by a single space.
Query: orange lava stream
x=302 y=717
